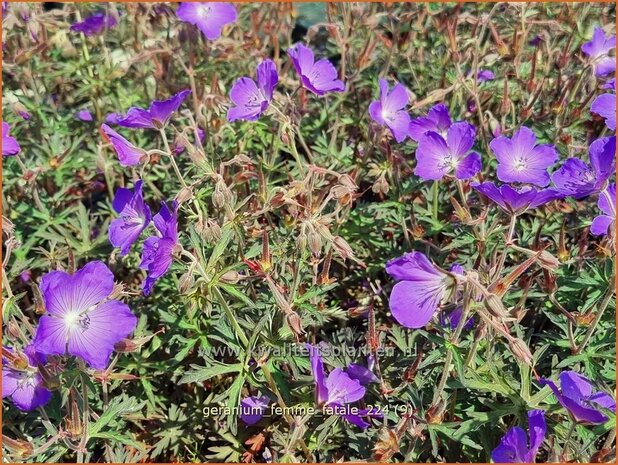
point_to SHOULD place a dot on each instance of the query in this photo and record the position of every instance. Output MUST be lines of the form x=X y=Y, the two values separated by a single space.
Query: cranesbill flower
x=10 y=146
x=421 y=289
x=158 y=252
x=157 y=115
x=128 y=154
x=485 y=75
x=134 y=217
x=578 y=179
x=514 y=446
x=605 y=105
x=577 y=397
x=95 y=24
x=21 y=379
x=602 y=224
x=252 y=409
x=388 y=111
x=320 y=77
x=598 y=51
x=209 y=17
x=521 y=160
x=252 y=99
x=337 y=390
x=514 y=201
x=437 y=157
x=81 y=319
x=437 y=120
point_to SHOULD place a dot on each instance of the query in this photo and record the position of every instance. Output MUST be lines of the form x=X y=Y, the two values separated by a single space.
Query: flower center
x=76 y=320
x=449 y=162
x=203 y=11
x=520 y=164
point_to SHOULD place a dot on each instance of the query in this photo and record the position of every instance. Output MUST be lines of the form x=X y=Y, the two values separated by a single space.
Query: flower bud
x=343 y=248
x=521 y=350
x=295 y=323
x=230 y=277
x=18 y=447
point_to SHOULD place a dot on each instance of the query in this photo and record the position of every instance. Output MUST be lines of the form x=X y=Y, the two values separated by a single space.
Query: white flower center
x=520 y=164
x=203 y=11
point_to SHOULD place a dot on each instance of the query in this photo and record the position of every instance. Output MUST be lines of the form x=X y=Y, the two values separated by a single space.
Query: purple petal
x=513 y=447
x=342 y=389
x=603 y=157
x=322 y=78
x=538 y=430
x=363 y=374
x=399 y=124
x=134 y=218
x=252 y=409
x=128 y=154
x=431 y=155
x=84 y=115
x=10 y=146
x=469 y=166
x=607 y=201
x=64 y=293
x=413 y=303
x=375 y=111
x=267 y=78
x=605 y=106
x=161 y=110
x=413 y=266
x=302 y=58
x=317 y=368
x=574 y=178
x=396 y=100
x=107 y=324
x=600 y=225
x=604 y=400
x=95 y=24
x=460 y=139
x=440 y=116
x=419 y=127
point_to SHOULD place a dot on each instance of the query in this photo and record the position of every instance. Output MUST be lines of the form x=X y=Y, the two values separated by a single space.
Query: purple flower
x=81 y=319
x=362 y=374
x=337 y=390
x=437 y=157
x=10 y=146
x=452 y=319
x=598 y=51
x=252 y=99
x=252 y=409
x=209 y=17
x=602 y=224
x=95 y=24
x=577 y=397
x=157 y=116
x=521 y=160
x=421 y=289
x=389 y=110
x=578 y=179
x=485 y=75
x=128 y=154
x=21 y=380
x=437 y=120
x=605 y=105
x=514 y=446
x=84 y=115
x=134 y=217
x=320 y=77
x=516 y=202
x=158 y=252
